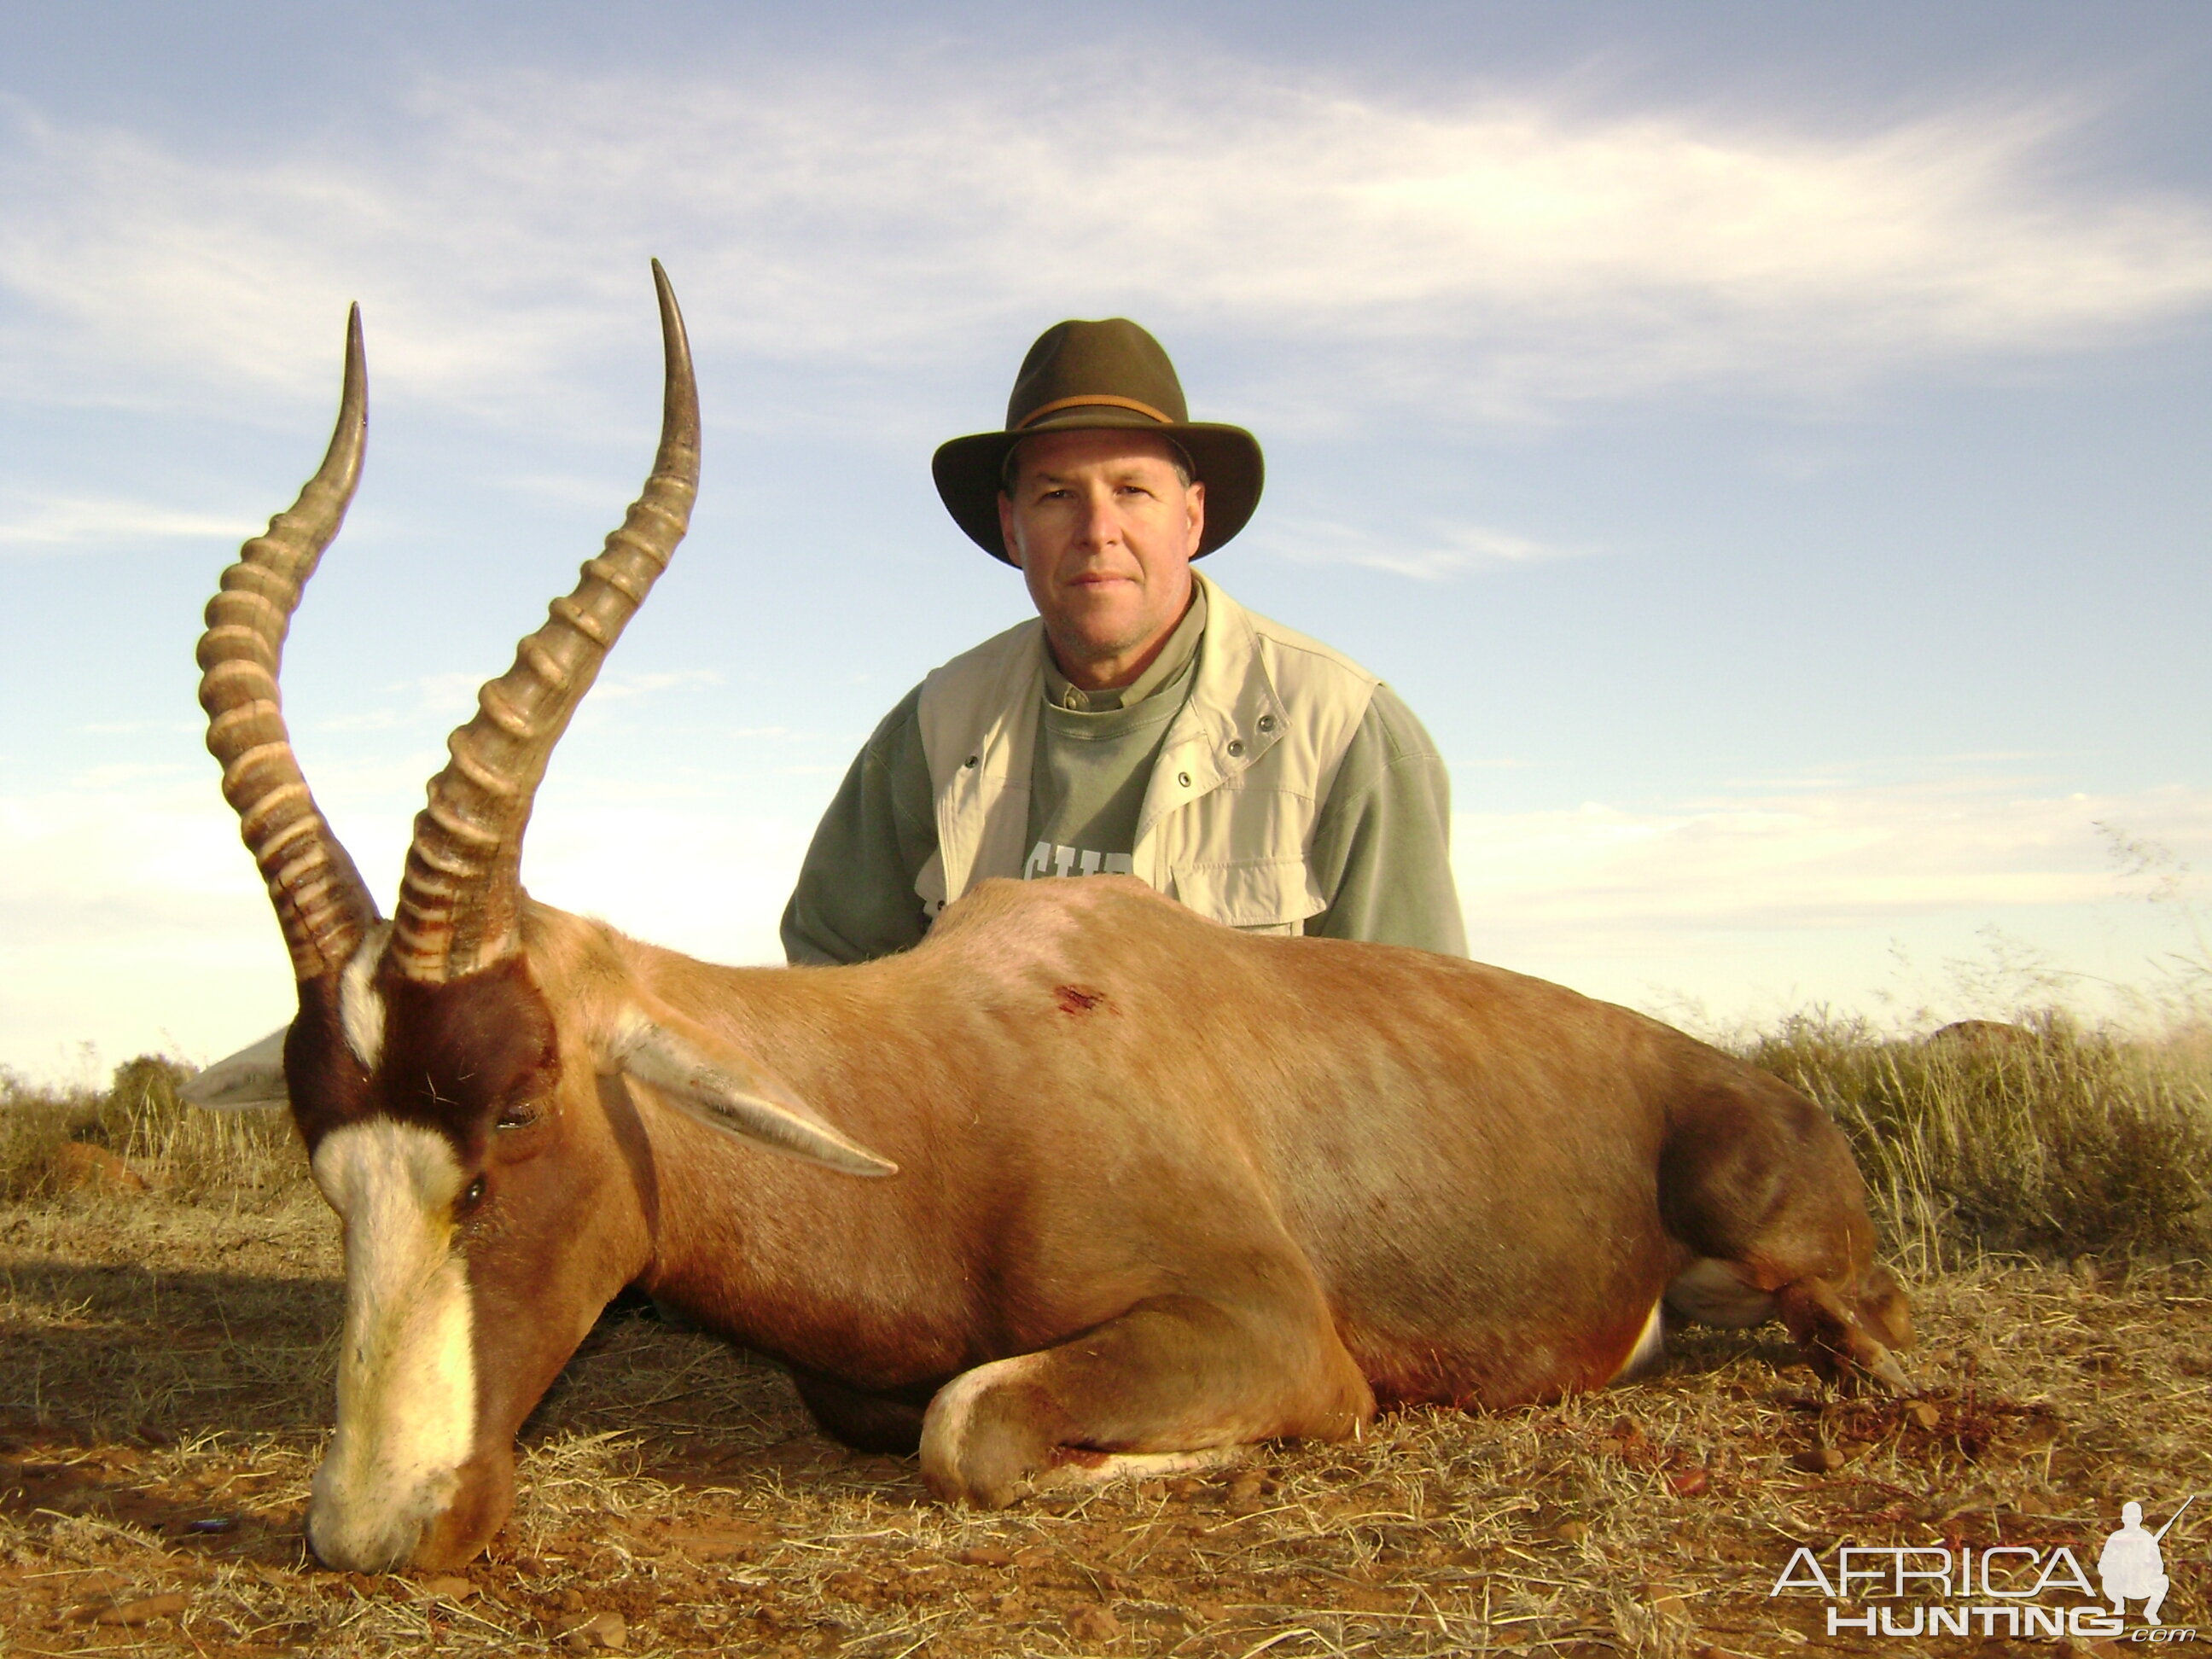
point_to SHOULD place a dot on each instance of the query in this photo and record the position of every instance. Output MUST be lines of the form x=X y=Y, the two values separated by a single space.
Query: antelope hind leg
x=1759 y=1184
x=1843 y=1343
x=1841 y=1340
x=1177 y=1383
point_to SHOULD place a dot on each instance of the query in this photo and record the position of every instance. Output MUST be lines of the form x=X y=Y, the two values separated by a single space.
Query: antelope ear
x=708 y=1080
x=252 y=1076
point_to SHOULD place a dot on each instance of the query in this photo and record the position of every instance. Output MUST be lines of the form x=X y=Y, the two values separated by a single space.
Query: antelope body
x=1084 y=1183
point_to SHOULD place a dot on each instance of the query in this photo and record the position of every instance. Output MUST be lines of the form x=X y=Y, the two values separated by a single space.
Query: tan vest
x=1229 y=814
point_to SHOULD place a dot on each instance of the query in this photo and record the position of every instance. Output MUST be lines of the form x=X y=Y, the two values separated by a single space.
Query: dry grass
x=251 y=1158
x=165 y=1386
x=2042 y=1137
x=166 y=1380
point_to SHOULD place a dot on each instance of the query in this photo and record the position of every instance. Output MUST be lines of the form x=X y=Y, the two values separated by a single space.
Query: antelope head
x=460 y=1090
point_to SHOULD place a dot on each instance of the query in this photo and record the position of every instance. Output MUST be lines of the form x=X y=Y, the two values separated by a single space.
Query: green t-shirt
x=1094 y=751
x=1087 y=785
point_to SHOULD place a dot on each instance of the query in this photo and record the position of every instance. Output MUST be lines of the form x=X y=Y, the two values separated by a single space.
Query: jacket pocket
x=1261 y=896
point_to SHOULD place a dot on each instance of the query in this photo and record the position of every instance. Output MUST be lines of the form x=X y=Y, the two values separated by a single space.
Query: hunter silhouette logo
x=2131 y=1564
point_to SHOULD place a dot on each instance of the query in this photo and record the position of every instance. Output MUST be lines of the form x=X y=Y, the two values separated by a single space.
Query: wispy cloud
x=1795 y=857
x=618 y=688
x=1500 y=256
x=449 y=699
x=65 y=523
x=1430 y=555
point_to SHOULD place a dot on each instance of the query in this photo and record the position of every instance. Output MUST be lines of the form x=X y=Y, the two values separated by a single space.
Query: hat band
x=1088 y=398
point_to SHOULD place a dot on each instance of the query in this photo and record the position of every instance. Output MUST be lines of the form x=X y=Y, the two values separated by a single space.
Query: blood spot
x=1080 y=998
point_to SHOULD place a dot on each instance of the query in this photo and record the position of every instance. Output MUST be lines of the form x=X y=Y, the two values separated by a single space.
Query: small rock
x=1688 y=1483
x=1093 y=1625
x=1924 y=1413
x=1571 y=1532
x=1820 y=1460
x=607 y=1631
x=447 y=1587
x=144 y=1609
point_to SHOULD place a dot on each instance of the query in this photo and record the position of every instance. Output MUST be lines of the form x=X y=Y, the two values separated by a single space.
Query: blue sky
x=1769 y=446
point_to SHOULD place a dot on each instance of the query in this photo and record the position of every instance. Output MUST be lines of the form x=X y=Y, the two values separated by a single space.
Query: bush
x=2046 y=1138
x=187 y=1152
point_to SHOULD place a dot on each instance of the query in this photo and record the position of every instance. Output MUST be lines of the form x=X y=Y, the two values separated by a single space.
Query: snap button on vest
x=1266 y=722
x=971 y=760
x=1183 y=778
x=1236 y=745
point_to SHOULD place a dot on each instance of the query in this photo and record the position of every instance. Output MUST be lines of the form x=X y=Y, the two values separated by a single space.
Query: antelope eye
x=516 y=1117
x=475 y=1193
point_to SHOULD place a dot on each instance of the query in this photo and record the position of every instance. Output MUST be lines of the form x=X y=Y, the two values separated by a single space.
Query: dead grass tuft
x=250 y=1157
x=2048 y=1137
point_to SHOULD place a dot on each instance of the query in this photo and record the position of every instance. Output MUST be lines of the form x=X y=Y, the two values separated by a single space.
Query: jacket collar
x=1231 y=717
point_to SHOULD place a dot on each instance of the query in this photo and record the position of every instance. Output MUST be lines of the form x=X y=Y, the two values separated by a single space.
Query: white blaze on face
x=407 y=1392
x=360 y=1005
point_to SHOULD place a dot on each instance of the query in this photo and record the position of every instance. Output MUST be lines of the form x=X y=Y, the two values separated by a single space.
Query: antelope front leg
x=1173 y=1376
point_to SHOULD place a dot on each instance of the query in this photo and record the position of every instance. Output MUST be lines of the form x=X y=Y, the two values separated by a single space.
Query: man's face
x=1103 y=528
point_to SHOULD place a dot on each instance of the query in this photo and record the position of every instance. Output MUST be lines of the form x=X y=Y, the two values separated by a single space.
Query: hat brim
x=1227 y=459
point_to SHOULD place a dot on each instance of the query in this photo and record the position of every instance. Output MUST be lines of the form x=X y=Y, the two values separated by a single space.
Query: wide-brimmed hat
x=1082 y=376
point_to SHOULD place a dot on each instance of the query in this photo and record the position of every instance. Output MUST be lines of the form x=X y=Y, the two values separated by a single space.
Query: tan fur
x=1445 y=1174
x=1163 y=1189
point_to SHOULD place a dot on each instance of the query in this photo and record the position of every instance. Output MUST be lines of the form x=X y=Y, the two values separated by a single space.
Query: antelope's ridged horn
x=322 y=904
x=460 y=898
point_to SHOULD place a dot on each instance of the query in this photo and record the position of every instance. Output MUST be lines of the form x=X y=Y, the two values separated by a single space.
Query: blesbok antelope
x=1083 y=1184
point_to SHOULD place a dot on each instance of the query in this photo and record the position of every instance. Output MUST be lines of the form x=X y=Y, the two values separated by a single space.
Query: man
x=1145 y=723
